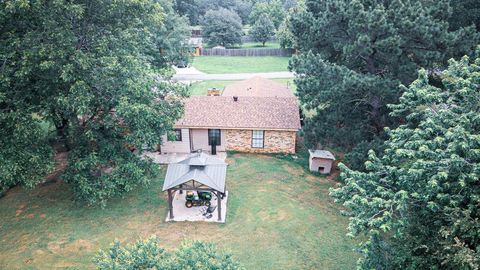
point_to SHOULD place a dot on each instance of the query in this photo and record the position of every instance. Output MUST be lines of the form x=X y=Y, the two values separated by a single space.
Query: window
x=258 y=138
x=214 y=137
x=176 y=136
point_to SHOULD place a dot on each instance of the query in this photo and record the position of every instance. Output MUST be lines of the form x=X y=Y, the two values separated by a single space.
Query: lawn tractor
x=203 y=198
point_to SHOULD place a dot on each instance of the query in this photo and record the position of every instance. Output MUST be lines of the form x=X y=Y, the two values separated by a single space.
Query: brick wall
x=274 y=141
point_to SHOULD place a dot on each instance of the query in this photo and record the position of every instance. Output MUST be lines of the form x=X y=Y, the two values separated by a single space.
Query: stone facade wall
x=274 y=141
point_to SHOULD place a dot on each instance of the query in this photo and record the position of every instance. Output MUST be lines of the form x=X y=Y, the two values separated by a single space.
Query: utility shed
x=320 y=161
x=199 y=172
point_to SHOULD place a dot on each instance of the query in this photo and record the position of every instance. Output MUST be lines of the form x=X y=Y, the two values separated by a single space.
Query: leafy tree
x=263 y=29
x=222 y=27
x=243 y=9
x=174 y=35
x=146 y=254
x=189 y=9
x=355 y=53
x=25 y=157
x=272 y=8
x=418 y=204
x=91 y=69
x=284 y=36
x=196 y=9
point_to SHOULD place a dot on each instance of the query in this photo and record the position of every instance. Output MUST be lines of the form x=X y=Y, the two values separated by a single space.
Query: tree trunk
x=61 y=127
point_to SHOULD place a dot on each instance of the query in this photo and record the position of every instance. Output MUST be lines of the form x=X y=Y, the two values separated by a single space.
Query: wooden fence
x=247 y=52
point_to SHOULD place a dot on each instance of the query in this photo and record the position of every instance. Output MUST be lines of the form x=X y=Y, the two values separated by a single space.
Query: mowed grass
x=240 y=64
x=279 y=217
x=200 y=88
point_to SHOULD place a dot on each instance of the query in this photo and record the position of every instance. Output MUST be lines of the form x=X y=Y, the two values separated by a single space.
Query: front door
x=214 y=139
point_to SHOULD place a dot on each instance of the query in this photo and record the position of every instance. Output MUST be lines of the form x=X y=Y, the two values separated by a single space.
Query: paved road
x=231 y=76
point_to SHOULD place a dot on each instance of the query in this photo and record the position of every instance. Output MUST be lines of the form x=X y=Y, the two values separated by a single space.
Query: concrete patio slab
x=168 y=158
x=182 y=213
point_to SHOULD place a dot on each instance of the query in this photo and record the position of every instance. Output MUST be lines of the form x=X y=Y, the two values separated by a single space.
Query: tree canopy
x=91 y=70
x=195 y=10
x=222 y=27
x=263 y=29
x=418 y=203
x=355 y=54
x=273 y=8
x=147 y=254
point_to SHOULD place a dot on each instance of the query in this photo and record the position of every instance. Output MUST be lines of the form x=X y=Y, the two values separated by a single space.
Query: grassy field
x=200 y=88
x=240 y=64
x=279 y=217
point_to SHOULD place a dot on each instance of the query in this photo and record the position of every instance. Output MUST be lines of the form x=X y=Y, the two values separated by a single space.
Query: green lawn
x=200 y=88
x=240 y=64
x=279 y=217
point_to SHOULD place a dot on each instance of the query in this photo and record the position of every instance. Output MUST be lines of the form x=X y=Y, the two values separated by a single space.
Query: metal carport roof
x=200 y=167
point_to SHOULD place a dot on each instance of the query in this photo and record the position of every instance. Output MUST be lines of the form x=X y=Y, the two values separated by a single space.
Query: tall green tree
x=147 y=254
x=90 y=68
x=418 y=204
x=263 y=29
x=355 y=54
x=273 y=8
x=222 y=27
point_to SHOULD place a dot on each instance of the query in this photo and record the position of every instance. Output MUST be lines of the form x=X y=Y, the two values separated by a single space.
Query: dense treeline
x=222 y=21
x=415 y=195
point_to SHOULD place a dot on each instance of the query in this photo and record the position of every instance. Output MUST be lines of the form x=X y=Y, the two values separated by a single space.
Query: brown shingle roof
x=257 y=87
x=245 y=113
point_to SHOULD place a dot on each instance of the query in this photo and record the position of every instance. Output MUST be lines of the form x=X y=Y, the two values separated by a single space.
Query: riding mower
x=203 y=198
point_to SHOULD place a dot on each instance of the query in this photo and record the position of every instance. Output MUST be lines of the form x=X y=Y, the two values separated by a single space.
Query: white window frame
x=258 y=138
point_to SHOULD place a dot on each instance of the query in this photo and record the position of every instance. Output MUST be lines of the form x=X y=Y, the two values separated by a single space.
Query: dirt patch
x=61 y=160
x=64 y=264
x=79 y=245
x=293 y=170
x=18 y=213
x=43 y=215
x=230 y=161
x=282 y=215
x=56 y=246
x=39 y=253
x=30 y=216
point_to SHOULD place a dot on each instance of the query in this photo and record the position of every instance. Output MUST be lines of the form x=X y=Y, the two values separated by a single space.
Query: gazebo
x=199 y=172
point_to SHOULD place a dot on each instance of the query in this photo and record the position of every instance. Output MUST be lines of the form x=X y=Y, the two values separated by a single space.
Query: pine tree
x=355 y=54
x=418 y=204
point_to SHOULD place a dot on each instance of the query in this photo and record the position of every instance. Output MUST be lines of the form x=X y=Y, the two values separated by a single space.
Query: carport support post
x=219 y=206
x=170 y=205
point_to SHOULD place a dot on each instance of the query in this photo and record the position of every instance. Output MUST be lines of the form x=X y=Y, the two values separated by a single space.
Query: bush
x=146 y=254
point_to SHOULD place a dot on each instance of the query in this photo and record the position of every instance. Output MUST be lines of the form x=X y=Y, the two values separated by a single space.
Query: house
x=320 y=161
x=256 y=115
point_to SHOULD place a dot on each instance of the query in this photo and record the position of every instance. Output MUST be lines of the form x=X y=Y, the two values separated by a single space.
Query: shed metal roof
x=200 y=167
x=321 y=154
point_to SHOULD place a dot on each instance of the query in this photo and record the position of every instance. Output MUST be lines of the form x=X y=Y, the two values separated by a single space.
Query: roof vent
x=235 y=98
